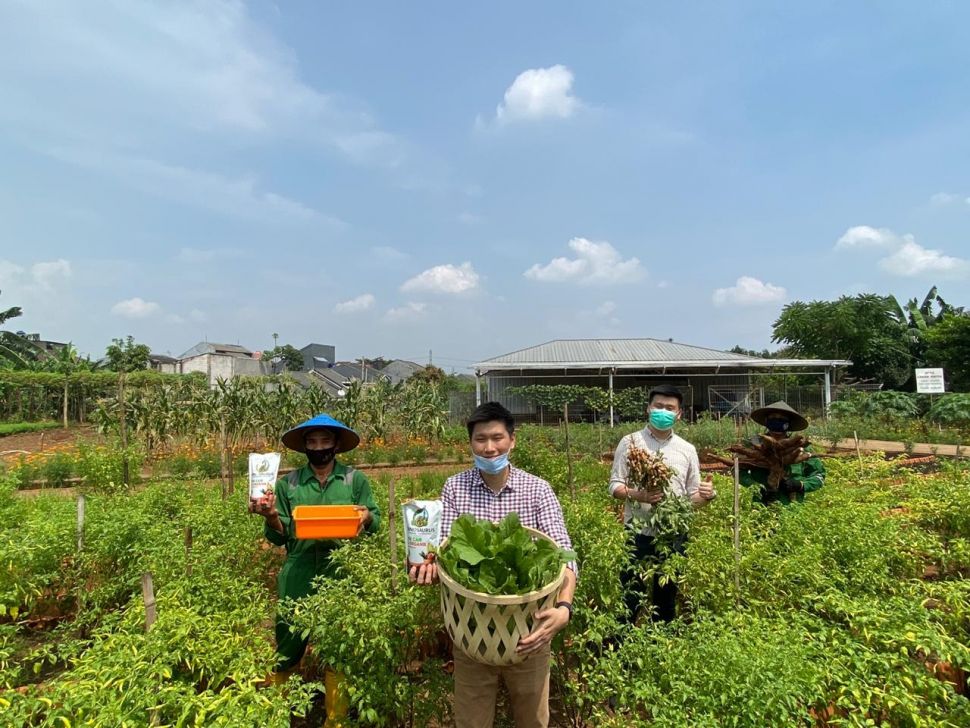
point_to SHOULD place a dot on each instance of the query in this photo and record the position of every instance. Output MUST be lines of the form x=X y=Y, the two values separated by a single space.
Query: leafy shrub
x=951 y=409
x=886 y=405
x=180 y=466
x=102 y=468
x=57 y=469
x=388 y=638
x=209 y=465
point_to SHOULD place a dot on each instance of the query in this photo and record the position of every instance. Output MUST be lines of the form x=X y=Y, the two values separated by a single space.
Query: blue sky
x=394 y=178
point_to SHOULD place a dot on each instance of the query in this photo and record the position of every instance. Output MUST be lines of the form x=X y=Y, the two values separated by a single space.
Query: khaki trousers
x=476 y=690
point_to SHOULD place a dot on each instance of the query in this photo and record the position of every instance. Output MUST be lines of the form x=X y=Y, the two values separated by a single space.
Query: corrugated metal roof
x=598 y=353
x=612 y=350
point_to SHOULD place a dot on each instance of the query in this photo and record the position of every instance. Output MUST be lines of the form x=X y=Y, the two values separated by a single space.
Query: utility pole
x=429 y=357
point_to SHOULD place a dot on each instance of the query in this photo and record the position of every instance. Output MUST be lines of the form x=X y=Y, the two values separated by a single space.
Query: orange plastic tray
x=327 y=521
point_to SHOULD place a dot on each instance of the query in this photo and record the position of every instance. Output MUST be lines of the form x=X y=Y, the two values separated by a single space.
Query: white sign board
x=929 y=381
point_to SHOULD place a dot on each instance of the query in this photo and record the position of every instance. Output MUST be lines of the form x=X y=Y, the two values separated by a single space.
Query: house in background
x=317 y=355
x=320 y=366
x=400 y=370
x=162 y=363
x=49 y=348
x=221 y=361
x=349 y=371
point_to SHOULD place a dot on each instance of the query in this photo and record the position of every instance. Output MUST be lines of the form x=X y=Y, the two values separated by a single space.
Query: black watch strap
x=567 y=605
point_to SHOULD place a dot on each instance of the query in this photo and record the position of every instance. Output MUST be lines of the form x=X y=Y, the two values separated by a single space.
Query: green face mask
x=662 y=419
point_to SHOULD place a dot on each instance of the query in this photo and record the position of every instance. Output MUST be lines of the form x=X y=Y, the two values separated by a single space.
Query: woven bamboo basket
x=487 y=627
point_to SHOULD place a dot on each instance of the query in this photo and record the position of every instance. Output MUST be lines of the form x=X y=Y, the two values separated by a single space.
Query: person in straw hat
x=780 y=421
x=491 y=490
x=322 y=481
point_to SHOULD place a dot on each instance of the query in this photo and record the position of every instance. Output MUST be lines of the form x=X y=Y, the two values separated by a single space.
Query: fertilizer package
x=422 y=528
x=263 y=468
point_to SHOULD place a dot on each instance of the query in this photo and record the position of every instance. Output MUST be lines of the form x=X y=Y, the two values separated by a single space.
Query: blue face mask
x=492 y=466
x=662 y=419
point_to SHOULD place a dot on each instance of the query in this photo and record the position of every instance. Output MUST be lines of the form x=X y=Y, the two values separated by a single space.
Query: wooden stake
x=737 y=530
x=392 y=533
x=148 y=595
x=858 y=451
x=123 y=425
x=222 y=468
x=80 y=522
x=188 y=550
x=569 y=459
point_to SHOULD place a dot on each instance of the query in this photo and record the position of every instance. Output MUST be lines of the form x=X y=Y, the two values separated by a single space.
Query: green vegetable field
x=851 y=610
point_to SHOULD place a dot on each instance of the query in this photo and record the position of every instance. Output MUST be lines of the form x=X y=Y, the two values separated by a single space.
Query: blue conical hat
x=347 y=439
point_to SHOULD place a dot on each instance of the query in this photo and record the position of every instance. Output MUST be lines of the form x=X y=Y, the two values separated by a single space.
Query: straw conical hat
x=761 y=415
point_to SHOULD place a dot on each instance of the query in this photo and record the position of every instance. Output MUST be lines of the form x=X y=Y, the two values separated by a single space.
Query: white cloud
x=444 y=279
x=40 y=279
x=195 y=256
x=605 y=308
x=596 y=262
x=167 y=69
x=174 y=318
x=903 y=256
x=354 y=305
x=411 y=311
x=863 y=236
x=9 y=272
x=135 y=308
x=197 y=316
x=941 y=199
x=239 y=197
x=600 y=318
x=914 y=260
x=748 y=291
x=469 y=218
x=46 y=274
x=387 y=254
x=539 y=93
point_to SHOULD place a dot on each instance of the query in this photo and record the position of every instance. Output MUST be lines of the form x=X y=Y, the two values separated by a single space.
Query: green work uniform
x=309 y=558
x=810 y=473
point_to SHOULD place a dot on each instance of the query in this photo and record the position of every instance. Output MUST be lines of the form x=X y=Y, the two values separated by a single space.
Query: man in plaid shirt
x=493 y=489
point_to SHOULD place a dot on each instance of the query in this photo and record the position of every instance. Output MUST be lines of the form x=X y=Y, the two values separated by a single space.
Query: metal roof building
x=712 y=380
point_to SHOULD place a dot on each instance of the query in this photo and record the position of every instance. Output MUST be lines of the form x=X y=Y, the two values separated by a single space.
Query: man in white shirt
x=663 y=410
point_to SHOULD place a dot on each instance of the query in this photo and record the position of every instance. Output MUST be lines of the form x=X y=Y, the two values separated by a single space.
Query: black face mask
x=319 y=458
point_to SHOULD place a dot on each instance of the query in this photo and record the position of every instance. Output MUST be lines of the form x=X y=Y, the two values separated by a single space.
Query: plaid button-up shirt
x=523 y=493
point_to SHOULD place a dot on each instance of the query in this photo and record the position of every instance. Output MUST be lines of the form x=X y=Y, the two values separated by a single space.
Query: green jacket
x=810 y=473
x=306 y=559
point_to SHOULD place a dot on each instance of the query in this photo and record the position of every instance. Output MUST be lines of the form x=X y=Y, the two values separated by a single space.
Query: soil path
x=43 y=440
x=897 y=448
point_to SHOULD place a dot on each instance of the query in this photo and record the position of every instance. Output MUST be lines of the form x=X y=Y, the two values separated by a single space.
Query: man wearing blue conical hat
x=322 y=481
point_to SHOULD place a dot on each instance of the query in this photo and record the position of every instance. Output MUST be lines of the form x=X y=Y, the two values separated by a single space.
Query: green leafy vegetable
x=500 y=558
